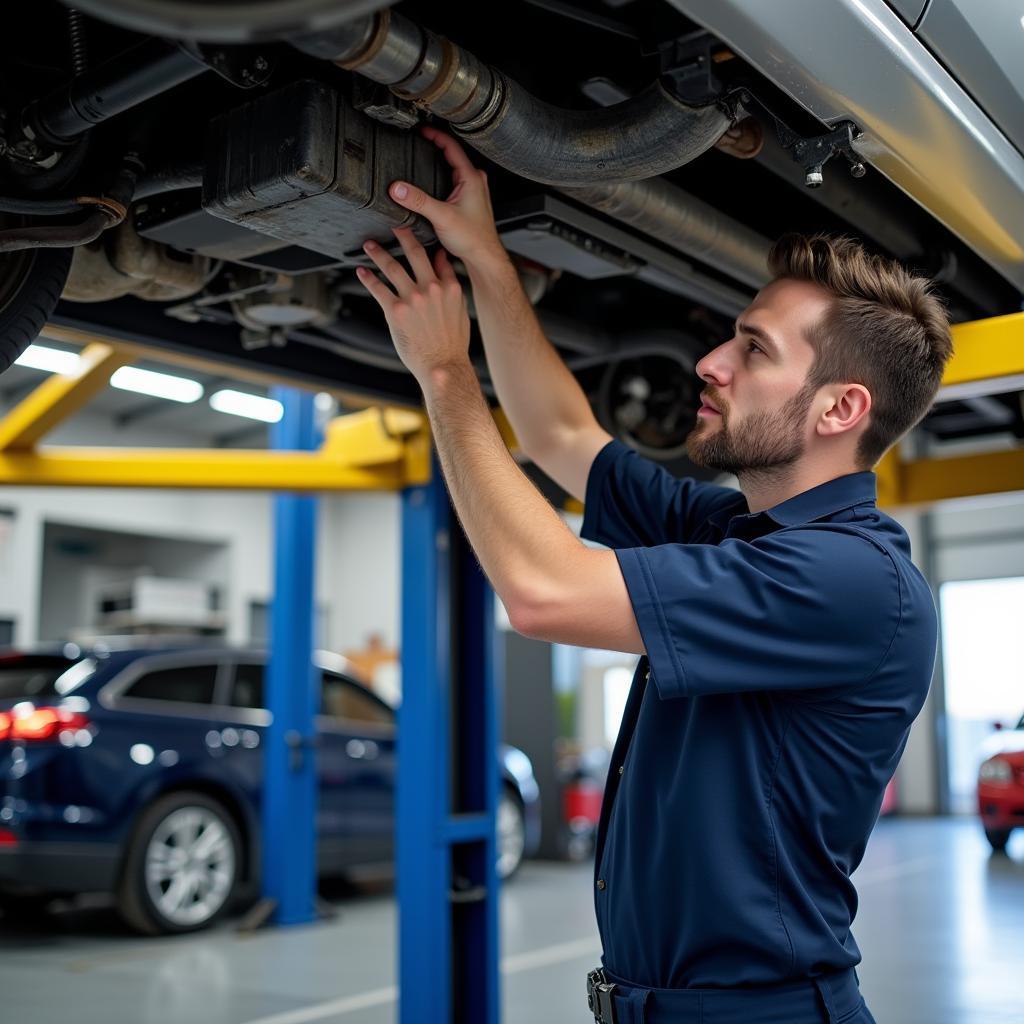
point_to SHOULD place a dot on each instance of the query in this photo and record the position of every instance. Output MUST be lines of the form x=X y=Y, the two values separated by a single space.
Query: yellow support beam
x=372 y=450
x=927 y=481
x=372 y=435
x=191 y=468
x=379 y=437
x=60 y=396
x=889 y=478
x=988 y=358
x=508 y=435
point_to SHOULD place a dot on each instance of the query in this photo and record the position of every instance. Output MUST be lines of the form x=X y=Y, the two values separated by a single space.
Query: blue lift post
x=290 y=784
x=447 y=772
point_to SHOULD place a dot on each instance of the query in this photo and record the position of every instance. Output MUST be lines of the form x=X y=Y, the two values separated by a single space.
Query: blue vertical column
x=447 y=772
x=423 y=798
x=478 y=686
x=292 y=688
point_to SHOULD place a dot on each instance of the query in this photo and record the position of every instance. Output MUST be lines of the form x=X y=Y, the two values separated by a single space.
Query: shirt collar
x=826 y=499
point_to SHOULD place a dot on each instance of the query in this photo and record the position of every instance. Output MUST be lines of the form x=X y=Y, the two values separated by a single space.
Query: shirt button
x=647 y=675
x=621 y=769
x=601 y=884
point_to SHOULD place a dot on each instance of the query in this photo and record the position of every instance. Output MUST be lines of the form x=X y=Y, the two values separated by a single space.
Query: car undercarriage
x=168 y=176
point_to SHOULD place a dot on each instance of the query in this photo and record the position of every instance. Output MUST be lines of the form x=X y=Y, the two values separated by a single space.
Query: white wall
x=359 y=567
x=358 y=541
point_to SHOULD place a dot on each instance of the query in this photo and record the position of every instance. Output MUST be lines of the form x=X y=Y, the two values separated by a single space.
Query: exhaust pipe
x=643 y=136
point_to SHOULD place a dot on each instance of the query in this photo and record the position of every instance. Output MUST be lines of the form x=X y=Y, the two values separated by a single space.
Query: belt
x=830 y=997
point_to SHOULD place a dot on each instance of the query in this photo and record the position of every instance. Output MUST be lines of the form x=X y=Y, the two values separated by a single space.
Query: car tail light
x=7 y=837
x=44 y=724
x=5 y=725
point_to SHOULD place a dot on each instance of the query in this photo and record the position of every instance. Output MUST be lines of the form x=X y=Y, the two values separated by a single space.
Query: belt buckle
x=600 y=998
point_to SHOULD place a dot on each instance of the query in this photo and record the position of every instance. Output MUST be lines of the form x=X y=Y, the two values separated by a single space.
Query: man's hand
x=464 y=222
x=427 y=317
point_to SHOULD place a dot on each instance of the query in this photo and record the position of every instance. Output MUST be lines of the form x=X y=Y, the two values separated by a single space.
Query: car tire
x=31 y=281
x=163 y=891
x=511 y=829
x=998 y=838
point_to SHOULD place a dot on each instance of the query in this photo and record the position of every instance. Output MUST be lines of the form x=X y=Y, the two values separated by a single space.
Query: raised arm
x=547 y=408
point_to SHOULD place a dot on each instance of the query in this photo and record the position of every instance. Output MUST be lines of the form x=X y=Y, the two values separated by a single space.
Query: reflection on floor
x=941 y=926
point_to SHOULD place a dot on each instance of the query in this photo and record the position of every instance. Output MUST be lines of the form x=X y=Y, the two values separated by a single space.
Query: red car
x=1001 y=786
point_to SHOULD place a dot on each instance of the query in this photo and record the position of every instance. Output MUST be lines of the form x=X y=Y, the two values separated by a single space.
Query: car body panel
x=982 y=45
x=920 y=127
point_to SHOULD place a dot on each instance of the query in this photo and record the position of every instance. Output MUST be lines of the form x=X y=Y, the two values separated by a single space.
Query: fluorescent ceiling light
x=53 y=360
x=252 y=407
x=158 y=385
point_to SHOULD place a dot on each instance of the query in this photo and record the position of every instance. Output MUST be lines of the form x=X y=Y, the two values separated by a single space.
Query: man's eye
x=754 y=347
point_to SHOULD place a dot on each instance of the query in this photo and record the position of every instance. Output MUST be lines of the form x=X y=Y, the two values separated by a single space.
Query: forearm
x=522 y=544
x=543 y=401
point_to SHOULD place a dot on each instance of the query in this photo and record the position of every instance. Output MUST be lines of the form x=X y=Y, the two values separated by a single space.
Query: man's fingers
x=415 y=199
x=376 y=287
x=460 y=164
x=392 y=270
x=415 y=254
x=443 y=266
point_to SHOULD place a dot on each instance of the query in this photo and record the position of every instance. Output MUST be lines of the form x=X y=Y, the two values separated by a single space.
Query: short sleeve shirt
x=788 y=652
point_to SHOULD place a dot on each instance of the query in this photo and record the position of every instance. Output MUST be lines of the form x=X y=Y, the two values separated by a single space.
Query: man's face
x=755 y=414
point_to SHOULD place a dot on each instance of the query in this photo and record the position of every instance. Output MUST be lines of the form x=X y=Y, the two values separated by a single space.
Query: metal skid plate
x=303 y=165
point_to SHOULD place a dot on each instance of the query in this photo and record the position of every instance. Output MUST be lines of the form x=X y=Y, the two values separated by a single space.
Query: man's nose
x=714 y=367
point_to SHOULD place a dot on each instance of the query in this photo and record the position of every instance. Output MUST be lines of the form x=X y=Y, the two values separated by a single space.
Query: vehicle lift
x=448 y=729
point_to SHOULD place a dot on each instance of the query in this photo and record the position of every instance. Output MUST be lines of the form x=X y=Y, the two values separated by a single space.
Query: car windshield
x=33 y=675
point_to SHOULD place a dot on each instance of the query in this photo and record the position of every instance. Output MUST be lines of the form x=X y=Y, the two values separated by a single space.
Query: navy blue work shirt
x=788 y=652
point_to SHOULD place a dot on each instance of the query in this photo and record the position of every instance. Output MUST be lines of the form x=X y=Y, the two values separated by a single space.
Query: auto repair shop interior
x=271 y=748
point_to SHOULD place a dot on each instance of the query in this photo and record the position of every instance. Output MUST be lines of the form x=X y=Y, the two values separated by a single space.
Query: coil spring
x=79 y=47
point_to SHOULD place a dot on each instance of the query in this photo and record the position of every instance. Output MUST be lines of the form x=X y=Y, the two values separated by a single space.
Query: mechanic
x=787 y=640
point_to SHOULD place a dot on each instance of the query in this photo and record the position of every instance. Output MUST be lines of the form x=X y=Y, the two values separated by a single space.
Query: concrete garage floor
x=941 y=925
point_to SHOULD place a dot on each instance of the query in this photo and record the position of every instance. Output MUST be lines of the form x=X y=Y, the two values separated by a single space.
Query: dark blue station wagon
x=138 y=770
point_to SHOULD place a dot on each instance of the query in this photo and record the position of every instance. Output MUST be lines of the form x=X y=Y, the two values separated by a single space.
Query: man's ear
x=850 y=404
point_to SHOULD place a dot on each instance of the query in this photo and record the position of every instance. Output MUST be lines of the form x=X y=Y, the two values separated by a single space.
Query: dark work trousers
x=830 y=999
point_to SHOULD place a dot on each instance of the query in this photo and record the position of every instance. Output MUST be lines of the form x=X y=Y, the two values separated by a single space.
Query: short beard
x=765 y=441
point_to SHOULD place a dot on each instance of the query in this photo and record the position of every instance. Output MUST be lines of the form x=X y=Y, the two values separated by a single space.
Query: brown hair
x=885 y=329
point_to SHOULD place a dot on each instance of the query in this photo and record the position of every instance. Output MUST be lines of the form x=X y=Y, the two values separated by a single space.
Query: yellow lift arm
x=374 y=449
